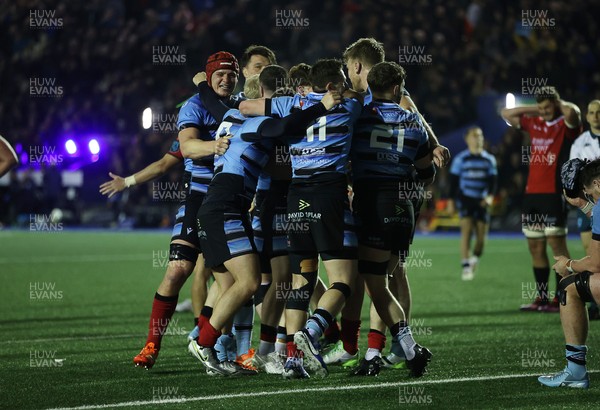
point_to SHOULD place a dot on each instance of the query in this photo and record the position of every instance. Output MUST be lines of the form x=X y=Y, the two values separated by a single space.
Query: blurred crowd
x=101 y=54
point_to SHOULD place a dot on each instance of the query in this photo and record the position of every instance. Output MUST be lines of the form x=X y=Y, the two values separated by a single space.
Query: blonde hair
x=252 y=87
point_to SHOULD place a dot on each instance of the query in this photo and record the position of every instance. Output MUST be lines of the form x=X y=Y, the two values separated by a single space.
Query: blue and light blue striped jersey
x=387 y=141
x=243 y=158
x=194 y=114
x=475 y=171
x=326 y=145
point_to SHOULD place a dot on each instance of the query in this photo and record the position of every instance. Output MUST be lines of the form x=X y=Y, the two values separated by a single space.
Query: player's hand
x=199 y=77
x=578 y=202
x=560 y=266
x=441 y=156
x=112 y=187
x=331 y=99
x=222 y=144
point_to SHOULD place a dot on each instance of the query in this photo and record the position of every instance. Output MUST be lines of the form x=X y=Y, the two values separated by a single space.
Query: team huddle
x=297 y=169
x=300 y=170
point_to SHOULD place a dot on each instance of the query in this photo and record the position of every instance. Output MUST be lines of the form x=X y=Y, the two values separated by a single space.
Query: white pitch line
x=295 y=391
x=66 y=339
x=78 y=258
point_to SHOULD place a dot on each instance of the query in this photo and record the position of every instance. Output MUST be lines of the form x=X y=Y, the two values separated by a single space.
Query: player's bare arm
x=441 y=154
x=154 y=170
x=194 y=148
x=571 y=112
x=252 y=108
x=513 y=115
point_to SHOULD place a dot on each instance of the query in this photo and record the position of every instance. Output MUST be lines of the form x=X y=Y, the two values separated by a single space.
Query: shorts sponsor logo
x=302 y=204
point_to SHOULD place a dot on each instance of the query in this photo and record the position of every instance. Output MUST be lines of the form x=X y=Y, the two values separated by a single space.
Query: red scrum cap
x=221 y=60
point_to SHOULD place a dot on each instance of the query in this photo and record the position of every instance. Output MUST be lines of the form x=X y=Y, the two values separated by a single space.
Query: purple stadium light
x=94 y=146
x=71 y=147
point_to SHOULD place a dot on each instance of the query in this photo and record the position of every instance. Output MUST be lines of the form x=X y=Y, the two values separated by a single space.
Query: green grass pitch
x=75 y=306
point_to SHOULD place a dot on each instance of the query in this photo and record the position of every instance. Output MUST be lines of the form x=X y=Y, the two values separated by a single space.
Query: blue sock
x=242 y=325
x=576 y=360
x=318 y=322
x=222 y=345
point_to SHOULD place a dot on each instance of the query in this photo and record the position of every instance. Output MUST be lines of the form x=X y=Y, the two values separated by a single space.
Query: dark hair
x=547 y=92
x=273 y=77
x=258 y=50
x=590 y=172
x=326 y=71
x=384 y=76
x=300 y=73
x=367 y=51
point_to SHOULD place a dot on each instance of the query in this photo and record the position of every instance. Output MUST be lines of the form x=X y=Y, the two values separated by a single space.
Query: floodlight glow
x=94 y=146
x=71 y=147
x=147 y=118
x=510 y=100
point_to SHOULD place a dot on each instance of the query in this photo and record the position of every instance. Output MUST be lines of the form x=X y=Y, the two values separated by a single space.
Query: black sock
x=541 y=280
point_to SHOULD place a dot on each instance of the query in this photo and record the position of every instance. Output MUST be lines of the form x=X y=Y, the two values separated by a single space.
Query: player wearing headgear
x=8 y=156
x=581 y=278
x=389 y=146
x=473 y=179
x=552 y=125
x=198 y=146
x=224 y=214
x=587 y=146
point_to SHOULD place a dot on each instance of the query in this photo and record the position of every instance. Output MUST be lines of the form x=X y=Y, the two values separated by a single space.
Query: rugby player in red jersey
x=553 y=125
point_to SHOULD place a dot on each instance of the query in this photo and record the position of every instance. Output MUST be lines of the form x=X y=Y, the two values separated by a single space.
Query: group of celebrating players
x=290 y=147
x=300 y=168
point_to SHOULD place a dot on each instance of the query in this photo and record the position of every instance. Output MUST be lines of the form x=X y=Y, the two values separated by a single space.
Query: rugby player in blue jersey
x=228 y=243
x=198 y=146
x=390 y=151
x=473 y=179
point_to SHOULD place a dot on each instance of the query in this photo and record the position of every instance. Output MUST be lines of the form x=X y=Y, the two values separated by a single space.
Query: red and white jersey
x=550 y=146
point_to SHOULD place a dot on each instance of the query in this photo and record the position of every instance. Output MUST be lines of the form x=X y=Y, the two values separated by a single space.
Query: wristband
x=587 y=208
x=568 y=265
x=130 y=181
